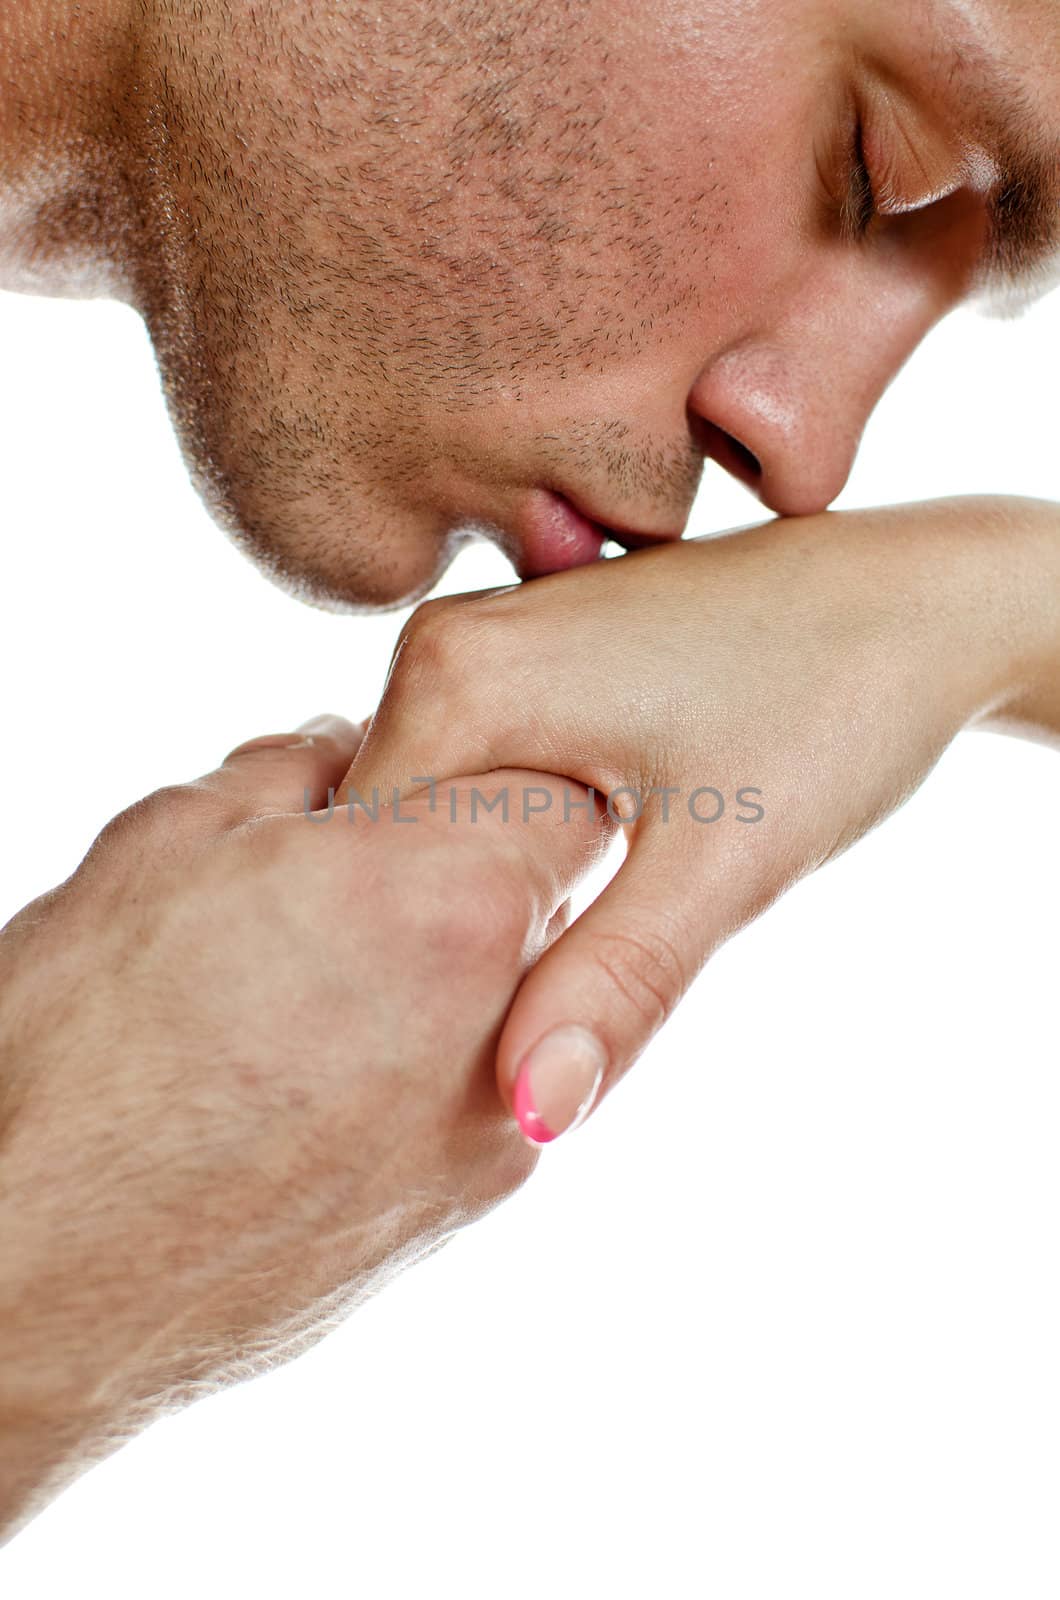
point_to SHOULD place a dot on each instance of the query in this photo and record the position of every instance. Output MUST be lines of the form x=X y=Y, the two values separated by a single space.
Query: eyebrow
x=1024 y=206
x=1024 y=214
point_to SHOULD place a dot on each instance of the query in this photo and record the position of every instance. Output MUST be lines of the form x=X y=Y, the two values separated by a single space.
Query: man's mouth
x=552 y=534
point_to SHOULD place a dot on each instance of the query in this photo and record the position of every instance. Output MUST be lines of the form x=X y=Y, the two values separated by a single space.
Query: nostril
x=746 y=463
x=728 y=452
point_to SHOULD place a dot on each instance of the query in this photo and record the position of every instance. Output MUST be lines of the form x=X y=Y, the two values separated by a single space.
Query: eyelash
x=860 y=207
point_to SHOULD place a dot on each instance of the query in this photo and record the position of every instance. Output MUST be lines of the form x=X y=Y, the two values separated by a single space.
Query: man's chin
x=343 y=578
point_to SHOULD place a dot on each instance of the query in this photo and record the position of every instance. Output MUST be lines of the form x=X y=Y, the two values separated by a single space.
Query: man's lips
x=554 y=535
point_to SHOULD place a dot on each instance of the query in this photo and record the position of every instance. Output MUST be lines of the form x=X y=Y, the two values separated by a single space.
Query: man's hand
x=764 y=699
x=245 y=1073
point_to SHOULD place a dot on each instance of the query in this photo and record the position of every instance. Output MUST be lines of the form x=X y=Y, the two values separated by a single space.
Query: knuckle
x=438 y=641
x=178 y=807
x=165 y=816
x=443 y=694
x=646 y=971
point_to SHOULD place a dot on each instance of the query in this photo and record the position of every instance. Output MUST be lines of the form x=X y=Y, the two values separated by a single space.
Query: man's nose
x=784 y=409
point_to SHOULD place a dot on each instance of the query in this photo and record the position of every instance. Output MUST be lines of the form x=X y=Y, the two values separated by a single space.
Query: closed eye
x=859 y=205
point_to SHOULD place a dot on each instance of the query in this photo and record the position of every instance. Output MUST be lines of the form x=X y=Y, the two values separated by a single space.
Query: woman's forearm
x=1030 y=705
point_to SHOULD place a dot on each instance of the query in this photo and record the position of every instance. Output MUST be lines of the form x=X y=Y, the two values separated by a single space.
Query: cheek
x=546 y=229
x=715 y=177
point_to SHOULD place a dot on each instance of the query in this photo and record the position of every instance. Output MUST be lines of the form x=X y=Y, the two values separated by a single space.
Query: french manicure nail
x=557 y=1082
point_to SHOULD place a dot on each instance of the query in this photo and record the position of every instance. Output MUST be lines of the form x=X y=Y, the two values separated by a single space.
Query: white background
x=783 y=1319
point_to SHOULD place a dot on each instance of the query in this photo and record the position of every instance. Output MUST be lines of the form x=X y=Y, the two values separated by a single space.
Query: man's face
x=447 y=266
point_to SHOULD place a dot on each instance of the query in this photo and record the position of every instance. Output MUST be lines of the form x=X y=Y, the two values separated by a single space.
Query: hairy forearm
x=45 y=1440
x=41 y=1451
x=55 y=1413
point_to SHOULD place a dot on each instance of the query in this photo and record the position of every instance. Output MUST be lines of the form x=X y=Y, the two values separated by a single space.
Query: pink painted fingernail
x=557 y=1082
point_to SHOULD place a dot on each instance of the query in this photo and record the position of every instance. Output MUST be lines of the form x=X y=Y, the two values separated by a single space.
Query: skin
x=773 y=637
x=493 y=253
x=410 y=274
x=241 y=1169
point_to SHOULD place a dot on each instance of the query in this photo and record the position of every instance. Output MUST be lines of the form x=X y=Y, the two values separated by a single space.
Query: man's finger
x=593 y=1001
x=286 y=772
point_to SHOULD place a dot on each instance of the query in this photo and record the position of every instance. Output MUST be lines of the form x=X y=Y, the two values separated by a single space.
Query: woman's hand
x=793 y=683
